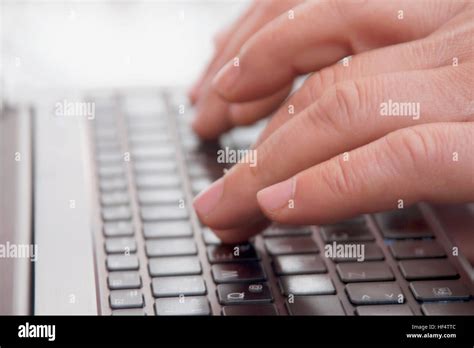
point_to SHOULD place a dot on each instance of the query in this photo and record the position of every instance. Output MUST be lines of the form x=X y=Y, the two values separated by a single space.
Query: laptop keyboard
x=155 y=258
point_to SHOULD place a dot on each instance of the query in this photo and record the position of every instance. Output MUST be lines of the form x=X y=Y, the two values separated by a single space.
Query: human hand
x=340 y=154
x=214 y=115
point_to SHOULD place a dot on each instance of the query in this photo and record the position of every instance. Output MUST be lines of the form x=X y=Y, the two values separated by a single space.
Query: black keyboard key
x=307 y=284
x=174 y=266
x=368 y=252
x=416 y=249
x=161 y=196
x=114 y=213
x=298 y=264
x=315 y=305
x=122 y=262
x=171 y=247
x=252 y=293
x=124 y=280
x=379 y=310
x=403 y=224
x=121 y=245
x=238 y=272
x=167 y=229
x=126 y=299
x=290 y=245
x=449 y=308
x=153 y=181
x=364 y=272
x=375 y=293
x=427 y=269
x=128 y=312
x=250 y=310
x=342 y=233
x=118 y=229
x=114 y=198
x=176 y=286
x=231 y=253
x=439 y=290
x=187 y=305
x=210 y=237
x=286 y=231
x=164 y=212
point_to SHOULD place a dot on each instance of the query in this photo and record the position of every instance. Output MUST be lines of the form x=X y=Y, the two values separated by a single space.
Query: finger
x=242 y=114
x=343 y=28
x=210 y=122
x=431 y=163
x=209 y=110
x=415 y=55
x=347 y=116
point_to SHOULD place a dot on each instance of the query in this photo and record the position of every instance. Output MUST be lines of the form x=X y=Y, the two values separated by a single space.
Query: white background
x=54 y=45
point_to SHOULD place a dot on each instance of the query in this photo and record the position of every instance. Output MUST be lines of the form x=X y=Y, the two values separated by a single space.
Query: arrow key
x=375 y=293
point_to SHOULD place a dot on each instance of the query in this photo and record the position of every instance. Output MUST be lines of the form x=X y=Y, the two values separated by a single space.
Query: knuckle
x=338 y=106
x=339 y=178
x=348 y=98
x=412 y=149
x=319 y=82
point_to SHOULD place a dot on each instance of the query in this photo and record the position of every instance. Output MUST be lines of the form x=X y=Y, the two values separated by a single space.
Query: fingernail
x=278 y=195
x=226 y=77
x=207 y=200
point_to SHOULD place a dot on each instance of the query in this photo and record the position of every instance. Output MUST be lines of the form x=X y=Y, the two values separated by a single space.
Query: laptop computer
x=97 y=218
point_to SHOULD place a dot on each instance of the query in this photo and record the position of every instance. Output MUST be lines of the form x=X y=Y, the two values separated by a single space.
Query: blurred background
x=75 y=45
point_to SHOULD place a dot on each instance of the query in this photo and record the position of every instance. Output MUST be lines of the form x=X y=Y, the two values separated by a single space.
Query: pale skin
x=336 y=156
